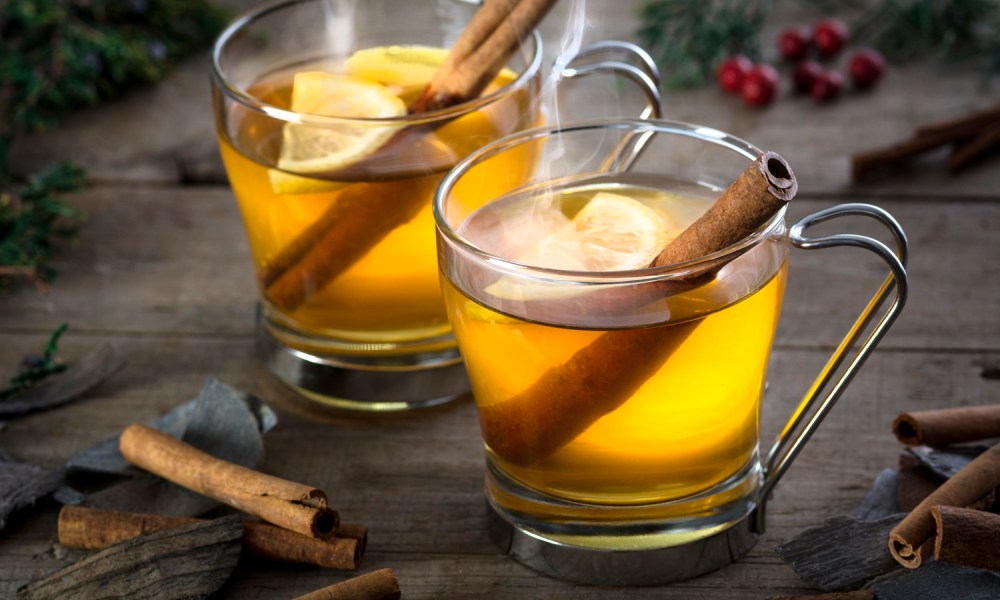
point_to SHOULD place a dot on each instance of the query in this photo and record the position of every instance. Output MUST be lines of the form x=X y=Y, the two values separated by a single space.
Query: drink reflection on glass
x=334 y=179
x=616 y=318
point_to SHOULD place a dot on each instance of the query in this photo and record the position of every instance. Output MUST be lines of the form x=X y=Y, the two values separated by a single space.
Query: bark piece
x=841 y=553
x=881 y=498
x=938 y=581
x=21 y=484
x=190 y=561
x=82 y=375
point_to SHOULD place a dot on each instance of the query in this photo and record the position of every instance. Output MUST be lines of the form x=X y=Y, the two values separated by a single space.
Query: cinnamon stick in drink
x=361 y=217
x=481 y=51
x=947 y=426
x=908 y=541
x=364 y=214
x=93 y=528
x=601 y=376
x=291 y=505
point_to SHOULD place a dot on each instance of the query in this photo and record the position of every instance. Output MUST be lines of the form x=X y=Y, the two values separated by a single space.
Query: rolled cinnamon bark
x=908 y=540
x=377 y=585
x=967 y=537
x=947 y=426
x=92 y=528
x=291 y=505
x=601 y=376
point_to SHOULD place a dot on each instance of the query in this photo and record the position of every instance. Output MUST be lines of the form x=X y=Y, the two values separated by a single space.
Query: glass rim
x=555 y=276
x=237 y=93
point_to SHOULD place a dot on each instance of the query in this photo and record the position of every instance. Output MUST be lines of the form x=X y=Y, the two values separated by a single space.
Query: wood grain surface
x=161 y=268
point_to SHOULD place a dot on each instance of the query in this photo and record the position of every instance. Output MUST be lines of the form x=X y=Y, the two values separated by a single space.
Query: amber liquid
x=690 y=426
x=391 y=293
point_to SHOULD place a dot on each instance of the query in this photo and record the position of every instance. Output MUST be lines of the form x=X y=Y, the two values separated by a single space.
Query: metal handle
x=644 y=72
x=814 y=406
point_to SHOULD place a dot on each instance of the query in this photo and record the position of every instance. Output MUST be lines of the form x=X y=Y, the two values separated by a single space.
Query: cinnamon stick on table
x=908 y=541
x=601 y=376
x=93 y=528
x=971 y=135
x=377 y=585
x=364 y=214
x=947 y=426
x=291 y=505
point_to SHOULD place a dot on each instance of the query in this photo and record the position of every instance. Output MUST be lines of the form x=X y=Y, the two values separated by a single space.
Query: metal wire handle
x=813 y=407
x=644 y=72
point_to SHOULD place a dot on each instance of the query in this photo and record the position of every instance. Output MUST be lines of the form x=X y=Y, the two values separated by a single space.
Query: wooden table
x=161 y=268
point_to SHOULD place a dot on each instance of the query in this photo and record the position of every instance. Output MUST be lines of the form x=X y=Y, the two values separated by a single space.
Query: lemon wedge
x=307 y=149
x=612 y=232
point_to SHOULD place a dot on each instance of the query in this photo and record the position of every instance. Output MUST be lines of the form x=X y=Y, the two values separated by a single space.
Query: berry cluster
x=757 y=84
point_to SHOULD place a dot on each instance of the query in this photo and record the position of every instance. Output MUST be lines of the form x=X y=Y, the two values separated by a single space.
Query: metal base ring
x=339 y=383
x=623 y=567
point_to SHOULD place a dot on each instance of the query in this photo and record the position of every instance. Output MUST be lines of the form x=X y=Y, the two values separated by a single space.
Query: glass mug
x=620 y=421
x=350 y=308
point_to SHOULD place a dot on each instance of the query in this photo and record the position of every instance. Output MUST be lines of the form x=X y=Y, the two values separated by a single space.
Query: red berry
x=793 y=43
x=830 y=35
x=866 y=68
x=805 y=73
x=732 y=71
x=759 y=85
x=827 y=86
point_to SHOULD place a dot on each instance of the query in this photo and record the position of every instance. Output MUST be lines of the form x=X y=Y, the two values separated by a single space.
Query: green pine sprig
x=36 y=367
x=57 y=56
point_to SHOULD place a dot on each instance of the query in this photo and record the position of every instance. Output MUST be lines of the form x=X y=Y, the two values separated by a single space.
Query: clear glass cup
x=350 y=308
x=620 y=409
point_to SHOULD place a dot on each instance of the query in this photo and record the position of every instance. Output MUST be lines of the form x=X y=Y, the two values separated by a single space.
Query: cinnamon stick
x=601 y=376
x=93 y=528
x=962 y=126
x=947 y=426
x=908 y=540
x=482 y=50
x=967 y=537
x=285 y=503
x=364 y=214
x=361 y=217
x=377 y=585
x=972 y=134
x=966 y=153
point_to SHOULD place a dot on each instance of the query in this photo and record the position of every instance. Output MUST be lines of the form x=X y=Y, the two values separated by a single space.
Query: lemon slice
x=307 y=149
x=405 y=68
x=611 y=232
